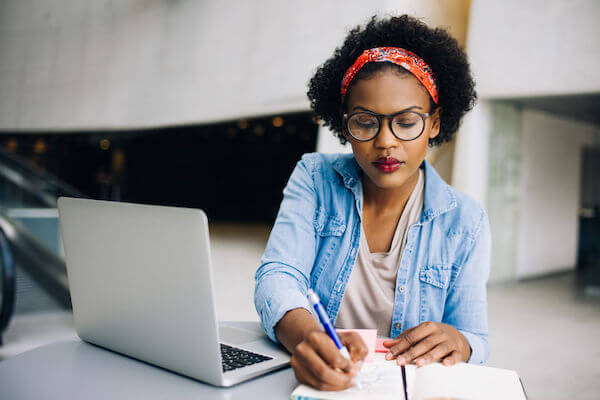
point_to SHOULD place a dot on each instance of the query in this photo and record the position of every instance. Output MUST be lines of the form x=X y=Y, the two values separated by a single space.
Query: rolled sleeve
x=282 y=279
x=277 y=295
x=466 y=302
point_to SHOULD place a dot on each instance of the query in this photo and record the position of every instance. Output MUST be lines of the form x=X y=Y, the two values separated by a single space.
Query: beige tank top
x=368 y=301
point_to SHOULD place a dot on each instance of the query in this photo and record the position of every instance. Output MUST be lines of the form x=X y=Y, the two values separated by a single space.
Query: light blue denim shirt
x=442 y=273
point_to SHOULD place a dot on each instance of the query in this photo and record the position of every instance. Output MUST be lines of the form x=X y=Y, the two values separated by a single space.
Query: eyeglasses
x=366 y=125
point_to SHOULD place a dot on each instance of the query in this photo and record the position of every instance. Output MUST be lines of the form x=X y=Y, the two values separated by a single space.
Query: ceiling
x=583 y=107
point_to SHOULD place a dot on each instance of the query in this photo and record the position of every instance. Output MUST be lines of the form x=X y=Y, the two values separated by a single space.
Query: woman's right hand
x=318 y=362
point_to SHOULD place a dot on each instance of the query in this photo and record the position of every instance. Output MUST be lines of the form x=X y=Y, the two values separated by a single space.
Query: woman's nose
x=385 y=138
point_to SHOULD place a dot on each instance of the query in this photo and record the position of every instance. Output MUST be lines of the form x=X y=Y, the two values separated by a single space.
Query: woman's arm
x=283 y=277
x=282 y=281
x=294 y=326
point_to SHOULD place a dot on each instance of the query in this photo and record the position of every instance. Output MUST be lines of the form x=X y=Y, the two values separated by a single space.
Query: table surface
x=78 y=370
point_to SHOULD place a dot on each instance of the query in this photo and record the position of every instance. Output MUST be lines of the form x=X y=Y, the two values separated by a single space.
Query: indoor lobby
x=203 y=105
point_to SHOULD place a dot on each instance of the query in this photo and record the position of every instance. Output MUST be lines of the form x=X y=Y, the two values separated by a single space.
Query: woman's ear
x=435 y=123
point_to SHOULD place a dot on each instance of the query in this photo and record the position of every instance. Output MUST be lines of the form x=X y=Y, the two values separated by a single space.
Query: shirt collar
x=438 y=197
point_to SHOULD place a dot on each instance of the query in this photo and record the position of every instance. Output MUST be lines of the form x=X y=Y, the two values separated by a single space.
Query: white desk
x=78 y=370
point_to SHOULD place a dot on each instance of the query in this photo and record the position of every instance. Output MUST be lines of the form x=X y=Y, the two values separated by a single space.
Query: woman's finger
x=436 y=353
x=451 y=359
x=410 y=338
x=355 y=344
x=324 y=346
x=420 y=348
x=391 y=342
x=304 y=375
x=324 y=373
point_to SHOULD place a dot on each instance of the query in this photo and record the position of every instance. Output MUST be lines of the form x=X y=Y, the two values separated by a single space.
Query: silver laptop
x=141 y=284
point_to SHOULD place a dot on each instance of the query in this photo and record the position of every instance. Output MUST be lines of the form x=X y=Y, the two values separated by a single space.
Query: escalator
x=33 y=274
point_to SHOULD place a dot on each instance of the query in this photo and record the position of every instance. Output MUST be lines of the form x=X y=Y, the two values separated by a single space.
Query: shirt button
x=402 y=289
x=398 y=326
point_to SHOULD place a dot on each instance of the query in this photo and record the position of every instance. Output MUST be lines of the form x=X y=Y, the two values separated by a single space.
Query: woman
x=380 y=237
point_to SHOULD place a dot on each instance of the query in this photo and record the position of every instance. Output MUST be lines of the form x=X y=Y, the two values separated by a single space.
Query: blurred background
x=135 y=100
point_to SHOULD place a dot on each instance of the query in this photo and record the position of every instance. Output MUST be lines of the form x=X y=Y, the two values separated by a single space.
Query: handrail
x=38 y=260
x=7 y=270
x=19 y=247
x=38 y=183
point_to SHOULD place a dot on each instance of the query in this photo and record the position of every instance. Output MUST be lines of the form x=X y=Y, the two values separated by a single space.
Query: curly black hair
x=456 y=88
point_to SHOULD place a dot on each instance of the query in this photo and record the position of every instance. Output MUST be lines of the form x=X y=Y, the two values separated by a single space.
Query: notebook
x=382 y=379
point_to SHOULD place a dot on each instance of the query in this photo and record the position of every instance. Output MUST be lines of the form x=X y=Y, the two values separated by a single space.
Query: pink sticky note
x=379 y=347
x=369 y=336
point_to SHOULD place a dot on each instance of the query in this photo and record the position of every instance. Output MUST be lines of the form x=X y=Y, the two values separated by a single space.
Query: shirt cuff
x=479 y=347
x=277 y=305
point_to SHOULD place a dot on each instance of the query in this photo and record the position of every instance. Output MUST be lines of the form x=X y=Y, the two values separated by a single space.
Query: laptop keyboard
x=234 y=358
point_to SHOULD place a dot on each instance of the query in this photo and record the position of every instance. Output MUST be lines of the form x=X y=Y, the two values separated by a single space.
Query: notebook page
x=379 y=379
x=465 y=381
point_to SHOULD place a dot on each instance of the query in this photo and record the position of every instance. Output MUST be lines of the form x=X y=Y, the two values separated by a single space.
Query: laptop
x=141 y=284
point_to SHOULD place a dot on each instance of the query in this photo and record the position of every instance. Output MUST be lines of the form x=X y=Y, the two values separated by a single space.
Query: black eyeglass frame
x=390 y=117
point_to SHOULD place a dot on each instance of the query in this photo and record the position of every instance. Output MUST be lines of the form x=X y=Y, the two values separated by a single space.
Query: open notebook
x=381 y=379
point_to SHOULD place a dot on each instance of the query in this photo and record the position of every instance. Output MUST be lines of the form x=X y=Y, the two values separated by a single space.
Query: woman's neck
x=388 y=201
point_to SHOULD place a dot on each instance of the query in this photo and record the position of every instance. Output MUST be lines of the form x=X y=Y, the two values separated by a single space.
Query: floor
x=545 y=329
x=548 y=331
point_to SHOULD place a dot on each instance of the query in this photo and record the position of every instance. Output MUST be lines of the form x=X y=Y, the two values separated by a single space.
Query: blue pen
x=315 y=303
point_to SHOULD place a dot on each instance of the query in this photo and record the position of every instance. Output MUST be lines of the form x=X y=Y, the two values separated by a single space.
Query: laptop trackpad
x=238 y=336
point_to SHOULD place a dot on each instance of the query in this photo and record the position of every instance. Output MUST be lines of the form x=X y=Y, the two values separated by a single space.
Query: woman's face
x=388 y=92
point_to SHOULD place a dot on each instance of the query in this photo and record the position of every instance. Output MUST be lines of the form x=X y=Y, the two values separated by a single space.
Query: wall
x=550 y=192
x=532 y=186
x=534 y=47
x=72 y=64
x=498 y=183
x=529 y=176
x=470 y=174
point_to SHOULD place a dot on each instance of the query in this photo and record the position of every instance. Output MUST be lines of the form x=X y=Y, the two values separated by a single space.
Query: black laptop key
x=233 y=358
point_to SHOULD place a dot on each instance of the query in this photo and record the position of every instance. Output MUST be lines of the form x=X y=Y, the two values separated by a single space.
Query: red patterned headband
x=404 y=58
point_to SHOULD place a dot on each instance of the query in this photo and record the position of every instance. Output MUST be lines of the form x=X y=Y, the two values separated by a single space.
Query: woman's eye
x=368 y=124
x=405 y=125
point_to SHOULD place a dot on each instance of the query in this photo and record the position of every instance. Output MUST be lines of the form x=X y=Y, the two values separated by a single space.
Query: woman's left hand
x=427 y=343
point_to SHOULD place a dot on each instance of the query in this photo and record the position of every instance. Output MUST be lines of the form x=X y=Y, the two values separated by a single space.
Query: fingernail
x=401 y=360
x=388 y=355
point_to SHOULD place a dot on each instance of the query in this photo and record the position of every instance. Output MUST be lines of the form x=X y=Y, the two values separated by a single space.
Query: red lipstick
x=387 y=164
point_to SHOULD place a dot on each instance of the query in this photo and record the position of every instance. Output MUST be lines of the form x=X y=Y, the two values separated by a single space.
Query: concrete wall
x=470 y=174
x=497 y=179
x=67 y=64
x=534 y=47
x=531 y=186
x=550 y=192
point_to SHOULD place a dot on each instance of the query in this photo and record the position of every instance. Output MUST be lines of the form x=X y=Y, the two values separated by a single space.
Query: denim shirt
x=314 y=242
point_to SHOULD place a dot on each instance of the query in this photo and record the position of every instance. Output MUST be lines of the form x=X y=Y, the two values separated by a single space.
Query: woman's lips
x=387 y=164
